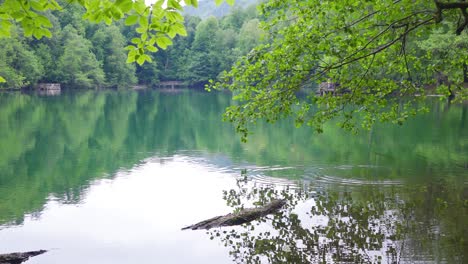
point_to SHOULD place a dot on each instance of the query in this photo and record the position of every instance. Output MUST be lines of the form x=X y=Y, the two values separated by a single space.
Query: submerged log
x=239 y=218
x=19 y=257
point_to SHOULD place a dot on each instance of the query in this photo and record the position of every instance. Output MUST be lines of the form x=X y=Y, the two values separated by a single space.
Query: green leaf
x=140 y=30
x=130 y=59
x=174 y=4
x=53 y=5
x=5 y=28
x=140 y=60
x=2 y=80
x=144 y=22
x=151 y=48
x=37 y=5
x=44 y=21
x=124 y=5
x=147 y=58
x=38 y=33
x=132 y=54
x=18 y=16
x=131 y=20
x=174 y=16
x=116 y=13
x=218 y=2
x=108 y=21
x=163 y=42
x=158 y=4
x=28 y=31
x=179 y=28
x=129 y=47
x=140 y=6
x=47 y=33
x=230 y=2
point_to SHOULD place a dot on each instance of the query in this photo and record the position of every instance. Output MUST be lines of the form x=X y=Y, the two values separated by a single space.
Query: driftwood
x=19 y=257
x=241 y=217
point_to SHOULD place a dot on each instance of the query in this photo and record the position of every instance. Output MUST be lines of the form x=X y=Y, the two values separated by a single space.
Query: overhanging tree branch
x=463 y=25
x=462 y=5
x=379 y=49
x=452 y=5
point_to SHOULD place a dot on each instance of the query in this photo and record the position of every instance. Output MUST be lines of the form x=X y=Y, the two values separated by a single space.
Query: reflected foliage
x=53 y=147
x=427 y=146
x=351 y=224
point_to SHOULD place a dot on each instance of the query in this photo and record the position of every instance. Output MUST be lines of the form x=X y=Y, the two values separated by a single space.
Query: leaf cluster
x=367 y=51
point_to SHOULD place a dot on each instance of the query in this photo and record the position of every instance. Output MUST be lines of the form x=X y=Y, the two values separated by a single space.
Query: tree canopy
x=380 y=56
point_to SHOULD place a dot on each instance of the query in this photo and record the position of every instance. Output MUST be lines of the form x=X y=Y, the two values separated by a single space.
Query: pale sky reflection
x=134 y=218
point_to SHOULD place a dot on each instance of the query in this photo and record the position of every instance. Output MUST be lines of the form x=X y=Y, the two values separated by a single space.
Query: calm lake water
x=112 y=177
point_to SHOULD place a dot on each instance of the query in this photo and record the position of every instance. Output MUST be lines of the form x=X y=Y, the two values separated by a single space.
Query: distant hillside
x=208 y=8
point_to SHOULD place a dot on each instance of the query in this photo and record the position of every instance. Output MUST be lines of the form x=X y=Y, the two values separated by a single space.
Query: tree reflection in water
x=348 y=224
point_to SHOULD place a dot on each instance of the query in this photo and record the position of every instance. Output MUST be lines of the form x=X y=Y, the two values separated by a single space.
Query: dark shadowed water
x=112 y=177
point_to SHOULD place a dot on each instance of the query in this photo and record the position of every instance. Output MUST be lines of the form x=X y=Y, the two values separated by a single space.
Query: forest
x=81 y=54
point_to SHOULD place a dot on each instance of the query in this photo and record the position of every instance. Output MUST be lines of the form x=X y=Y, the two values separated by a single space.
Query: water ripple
x=329 y=179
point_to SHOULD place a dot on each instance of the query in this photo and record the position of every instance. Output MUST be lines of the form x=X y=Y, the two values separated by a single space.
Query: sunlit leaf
x=131 y=20
x=163 y=42
x=124 y=5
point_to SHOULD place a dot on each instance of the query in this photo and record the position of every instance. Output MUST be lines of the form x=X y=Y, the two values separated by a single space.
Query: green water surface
x=395 y=194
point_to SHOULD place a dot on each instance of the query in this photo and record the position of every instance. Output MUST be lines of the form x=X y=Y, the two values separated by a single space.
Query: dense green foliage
x=18 y=64
x=379 y=55
x=157 y=23
x=78 y=54
x=211 y=46
x=85 y=55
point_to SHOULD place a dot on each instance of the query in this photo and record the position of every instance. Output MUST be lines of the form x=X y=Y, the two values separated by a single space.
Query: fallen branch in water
x=19 y=257
x=241 y=217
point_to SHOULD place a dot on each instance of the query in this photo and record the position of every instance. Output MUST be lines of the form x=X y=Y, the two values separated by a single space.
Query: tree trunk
x=465 y=73
x=19 y=257
x=242 y=217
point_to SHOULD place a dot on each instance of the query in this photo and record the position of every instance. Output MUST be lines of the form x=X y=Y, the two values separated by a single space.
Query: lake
x=112 y=177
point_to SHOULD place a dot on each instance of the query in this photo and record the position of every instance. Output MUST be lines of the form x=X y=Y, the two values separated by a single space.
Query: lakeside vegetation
x=81 y=54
